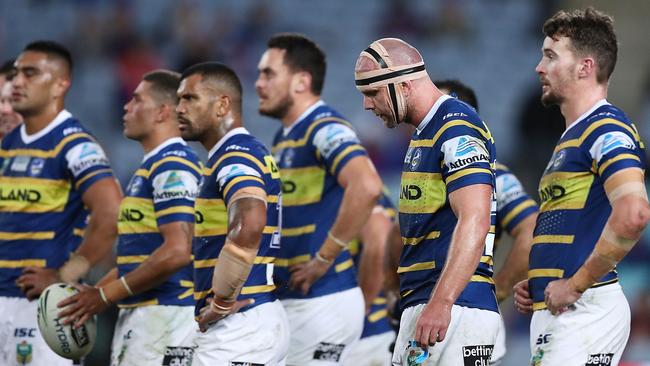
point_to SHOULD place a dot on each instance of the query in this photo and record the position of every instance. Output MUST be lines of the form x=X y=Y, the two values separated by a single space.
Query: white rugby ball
x=64 y=340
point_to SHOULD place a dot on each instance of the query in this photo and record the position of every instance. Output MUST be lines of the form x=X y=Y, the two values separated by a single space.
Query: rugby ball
x=64 y=340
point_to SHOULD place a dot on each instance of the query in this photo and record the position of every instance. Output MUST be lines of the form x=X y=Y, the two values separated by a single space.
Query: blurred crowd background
x=491 y=45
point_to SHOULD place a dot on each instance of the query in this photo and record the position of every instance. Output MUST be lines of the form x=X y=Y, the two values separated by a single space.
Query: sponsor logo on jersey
x=462 y=151
x=235 y=170
x=20 y=164
x=477 y=355
x=24 y=195
x=328 y=351
x=329 y=138
x=551 y=192
x=174 y=184
x=536 y=360
x=609 y=142
x=178 y=356
x=239 y=363
x=84 y=156
x=410 y=192
x=131 y=214
x=71 y=130
x=600 y=359
x=36 y=167
x=508 y=189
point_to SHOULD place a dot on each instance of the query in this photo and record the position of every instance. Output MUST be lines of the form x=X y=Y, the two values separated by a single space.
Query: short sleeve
x=86 y=162
x=466 y=157
x=238 y=172
x=175 y=186
x=336 y=144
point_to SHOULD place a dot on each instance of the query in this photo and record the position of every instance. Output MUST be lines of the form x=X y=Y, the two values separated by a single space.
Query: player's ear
x=61 y=86
x=407 y=88
x=586 y=68
x=223 y=105
x=301 y=82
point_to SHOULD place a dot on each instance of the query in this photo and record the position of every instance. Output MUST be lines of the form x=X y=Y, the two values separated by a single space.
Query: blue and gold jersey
x=161 y=191
x=376 y=321
x=574 y=207
x=451 y=149
x=310 y=155
x=42 y=180
x=513 y=203
x=238 y=161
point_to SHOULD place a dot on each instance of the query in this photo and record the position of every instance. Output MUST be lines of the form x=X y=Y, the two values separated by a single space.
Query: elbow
x=179 y=257
x=370 y=189
x=248 y=233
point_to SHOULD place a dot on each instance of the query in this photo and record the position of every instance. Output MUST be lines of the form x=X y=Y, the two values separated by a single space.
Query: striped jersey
x=451 y=149
x=573 y=205
x=161 y=191
x=237 y=161
x=42 y=179
x=513 y=203
x=310 y=154
x=376 y=321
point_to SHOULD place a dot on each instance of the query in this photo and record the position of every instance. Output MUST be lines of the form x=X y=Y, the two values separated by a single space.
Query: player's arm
x=471 y=205
x=373 y=236
x=362 y=187
x=516 y=264
x=102 y=199
x=630 y=214
x=394 y=248
x=246 y=221
x=108 y=277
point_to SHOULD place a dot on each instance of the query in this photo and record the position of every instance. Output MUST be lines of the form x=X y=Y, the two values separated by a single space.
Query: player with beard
x=447 y=211
x=237 y=234
x=594 y=204
x=329 y=188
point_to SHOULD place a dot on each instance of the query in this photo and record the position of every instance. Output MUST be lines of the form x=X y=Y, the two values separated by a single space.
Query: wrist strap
x=338 y=241
x=126 y=286
x=103 y=296
x=322 y=259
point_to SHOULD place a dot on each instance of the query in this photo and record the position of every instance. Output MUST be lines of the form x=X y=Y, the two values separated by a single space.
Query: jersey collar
x=591 y=110
x=166 y=143
x=60 y=118
x=286 y=130
x=222 y=141
x=431 y=113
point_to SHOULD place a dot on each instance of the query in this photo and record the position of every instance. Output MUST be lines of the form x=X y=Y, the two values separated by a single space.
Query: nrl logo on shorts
x=23 y=353
x=416 y=355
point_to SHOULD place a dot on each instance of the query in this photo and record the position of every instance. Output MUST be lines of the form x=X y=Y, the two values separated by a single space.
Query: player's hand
x=80 y=307
x=560 y=295
x=433 y=322
x=523 y=301
x=303 y=275
x=207 y=317
x=36 y=279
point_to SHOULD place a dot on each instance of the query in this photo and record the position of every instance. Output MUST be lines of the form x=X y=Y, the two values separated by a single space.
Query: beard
x=279 y=110
x=551 y=98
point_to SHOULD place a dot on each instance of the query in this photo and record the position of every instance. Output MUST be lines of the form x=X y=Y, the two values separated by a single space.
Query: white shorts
x=154 y=335
x=500 y=345
x=469 y=340
x=371 y=351
x=324 y=328
x=259 y=336
x=595 y=333
x=21 y=342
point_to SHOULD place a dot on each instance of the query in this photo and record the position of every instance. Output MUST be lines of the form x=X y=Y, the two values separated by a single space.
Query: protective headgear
x=389 y=76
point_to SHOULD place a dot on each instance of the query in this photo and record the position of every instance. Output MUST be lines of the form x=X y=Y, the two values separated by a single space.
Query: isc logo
x=24 y=332
x=410 y=192
x=543 y=339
